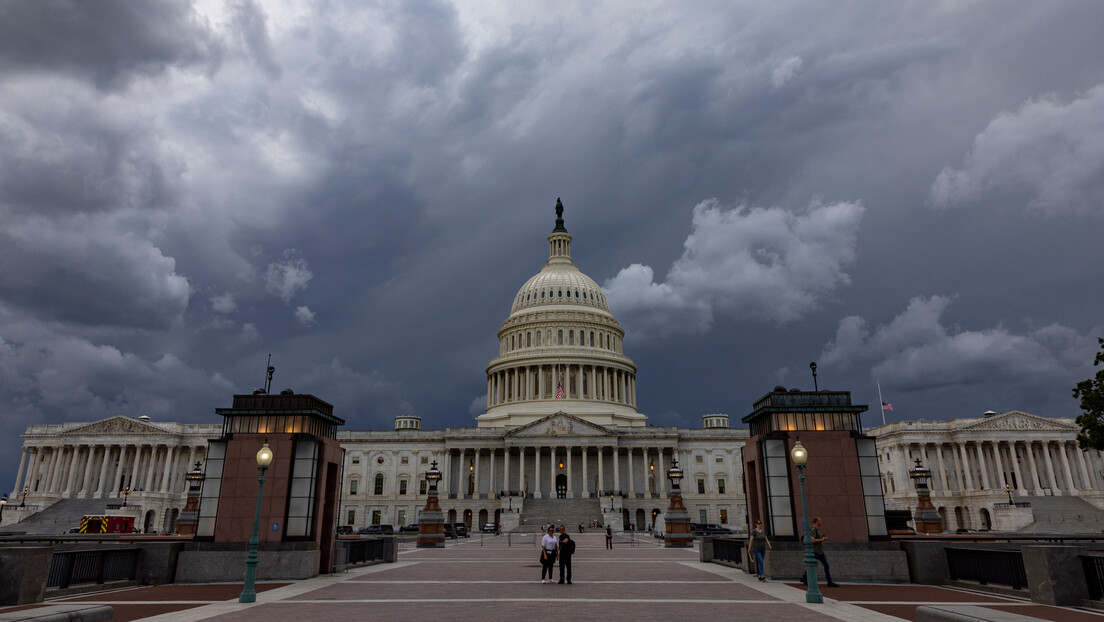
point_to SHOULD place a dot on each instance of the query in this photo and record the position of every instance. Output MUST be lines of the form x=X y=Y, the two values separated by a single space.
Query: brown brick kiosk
x=300 y=495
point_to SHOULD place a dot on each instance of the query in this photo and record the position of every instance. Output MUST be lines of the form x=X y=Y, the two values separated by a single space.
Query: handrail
x=92 y=566
x=985 y=566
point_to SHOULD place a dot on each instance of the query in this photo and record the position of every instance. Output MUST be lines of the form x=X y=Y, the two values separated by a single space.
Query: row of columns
x=99 y=470
x=527 y=469
x=536 y=382
x=1028 y=466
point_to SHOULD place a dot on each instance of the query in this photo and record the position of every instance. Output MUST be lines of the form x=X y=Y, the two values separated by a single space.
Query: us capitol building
x=561 y=440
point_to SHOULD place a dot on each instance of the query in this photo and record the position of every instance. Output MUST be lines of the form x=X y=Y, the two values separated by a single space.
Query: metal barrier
x=729 y=550
x=1094 y=575
x=92 y=566
x=366 y=550
x=987 y=567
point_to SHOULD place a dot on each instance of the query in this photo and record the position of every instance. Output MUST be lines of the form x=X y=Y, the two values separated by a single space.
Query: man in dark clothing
x=818 y=552
x=567 y=548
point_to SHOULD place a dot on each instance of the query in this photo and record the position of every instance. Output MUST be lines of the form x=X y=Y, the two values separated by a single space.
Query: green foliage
x=1091 y=394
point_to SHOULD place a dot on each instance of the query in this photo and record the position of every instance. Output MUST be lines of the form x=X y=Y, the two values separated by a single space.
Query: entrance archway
x=482 y=518
x=561 y=486
x=468 y=518
x=452 y=516
x=640 y=518
x=147 y=524
x=625 y=519
x=655 y=513
x=498 y=517
x=986 y=521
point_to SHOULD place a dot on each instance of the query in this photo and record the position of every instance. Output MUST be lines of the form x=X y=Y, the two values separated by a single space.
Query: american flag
x=560 y=392
x=887 y=406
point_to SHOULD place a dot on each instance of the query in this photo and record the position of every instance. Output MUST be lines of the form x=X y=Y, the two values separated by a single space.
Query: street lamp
x=126 y=493
x=812 y=595
x=249 y=595
x=1008 y=489
x=26 y=489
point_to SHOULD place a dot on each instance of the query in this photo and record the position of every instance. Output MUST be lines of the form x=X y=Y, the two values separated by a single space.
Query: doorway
x=561 y=486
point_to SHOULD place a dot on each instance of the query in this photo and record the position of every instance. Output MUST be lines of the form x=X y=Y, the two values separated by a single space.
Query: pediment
x=1019 y=421
x=560 y=424
x=114 y=425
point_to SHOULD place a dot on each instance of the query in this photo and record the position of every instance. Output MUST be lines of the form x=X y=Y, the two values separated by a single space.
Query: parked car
x=450 y=530
x=344 y=529
x=462 y=531
x=707 y=529
x=377 y=529
x=490 y=528
x=411 y=528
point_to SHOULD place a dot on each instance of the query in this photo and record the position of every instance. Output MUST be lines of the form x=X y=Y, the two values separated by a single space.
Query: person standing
x=549 y=546
x=758 y=544
x=609 y=537
x=567 y=549
x=818 y=552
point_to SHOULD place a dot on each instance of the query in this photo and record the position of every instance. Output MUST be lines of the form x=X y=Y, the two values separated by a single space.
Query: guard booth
x=300 y=494
x=842 y=478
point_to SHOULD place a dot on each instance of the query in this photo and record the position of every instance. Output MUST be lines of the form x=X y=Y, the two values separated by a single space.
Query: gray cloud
x=289 y=276
x=1049 y=150
x=761 y=264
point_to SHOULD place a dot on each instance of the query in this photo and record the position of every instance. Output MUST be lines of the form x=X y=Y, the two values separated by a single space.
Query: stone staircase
x=58 y=518
x=568 y=512
x=1064 y=515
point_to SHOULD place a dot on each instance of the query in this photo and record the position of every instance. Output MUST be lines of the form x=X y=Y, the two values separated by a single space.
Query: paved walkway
x=467 y=581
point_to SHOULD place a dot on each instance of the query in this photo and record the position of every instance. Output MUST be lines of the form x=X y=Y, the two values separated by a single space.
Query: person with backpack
x=609 y=537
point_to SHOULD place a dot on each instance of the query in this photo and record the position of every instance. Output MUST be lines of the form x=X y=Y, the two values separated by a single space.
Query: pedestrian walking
x=818 y=552
x=549 y=546
x=609 y=537
x=758 y=544
x=567 y=549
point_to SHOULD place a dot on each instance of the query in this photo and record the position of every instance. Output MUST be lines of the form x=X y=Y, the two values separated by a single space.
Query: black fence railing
x=1094 y=575
x=728 y=550
x=92 y=566
x=361 y=551
x=987 y=567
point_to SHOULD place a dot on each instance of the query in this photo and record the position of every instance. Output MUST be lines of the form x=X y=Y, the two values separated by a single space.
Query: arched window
x=529 y=339
x=378 y=489
x=592 y=339
x=538 y=338
x=569 y=293
x=561 y=293
x=576 y=293
x=570 y=336
x=559 y=338
x=542 y=294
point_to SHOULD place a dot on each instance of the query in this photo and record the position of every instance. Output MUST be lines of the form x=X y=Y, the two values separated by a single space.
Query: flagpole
x=881 y=404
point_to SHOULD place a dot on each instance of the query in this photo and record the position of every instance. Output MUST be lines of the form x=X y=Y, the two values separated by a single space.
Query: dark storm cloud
x=107 y=41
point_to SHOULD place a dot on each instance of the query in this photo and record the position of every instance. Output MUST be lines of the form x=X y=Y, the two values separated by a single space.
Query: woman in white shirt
x=549 y=546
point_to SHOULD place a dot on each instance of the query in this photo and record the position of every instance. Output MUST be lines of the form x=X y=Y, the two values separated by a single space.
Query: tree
x=1091 y=394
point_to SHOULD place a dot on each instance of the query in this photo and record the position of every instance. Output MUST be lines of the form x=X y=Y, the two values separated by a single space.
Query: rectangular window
x=401 y=518
x=212 y=487
x=703 y=515
x=872 y=487
x=724 y=516
x=353 y=485
x=698 y=459
x=720 y=458
x=301 y=491
x=701 y=487
x=402 y=486
x=378 y=489
x=404 y=460
x=776 y=473
x=423 y=487
x=356 y=459
x=350 y=518
x=425 y=460
x=376 y=516
x=721 y=486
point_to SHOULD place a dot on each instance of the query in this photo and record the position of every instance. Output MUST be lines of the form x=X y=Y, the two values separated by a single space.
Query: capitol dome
x=560 y=350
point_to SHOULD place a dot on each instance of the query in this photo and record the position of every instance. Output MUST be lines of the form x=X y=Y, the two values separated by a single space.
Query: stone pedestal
x=23 y=573
x=677 y=522
x=431 y=522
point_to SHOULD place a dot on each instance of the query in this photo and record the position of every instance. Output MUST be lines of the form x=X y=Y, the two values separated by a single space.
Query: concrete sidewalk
x=495 y=582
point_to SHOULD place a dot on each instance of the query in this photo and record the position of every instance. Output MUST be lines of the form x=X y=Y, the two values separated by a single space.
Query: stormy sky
x=907 y=193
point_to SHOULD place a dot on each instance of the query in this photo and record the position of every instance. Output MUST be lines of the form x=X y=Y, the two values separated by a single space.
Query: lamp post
x=249 y=595
x=26 y=489
x=126 y=493
x=431 y=522
x=1008 y=489
x=812 y=594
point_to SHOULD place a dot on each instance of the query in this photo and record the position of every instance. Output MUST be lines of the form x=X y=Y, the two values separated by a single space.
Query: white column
x=32 y=467
x=981 y=466
x=475 y=461
x=1001 y=478
x=1088 y=482
x=632 y=479
x=151 y=464
x=617 y=468
x=521 y=469
x=552 y=472
x=491 y=478
x=570 y=488
x=506 y=469
x=22 y=465
x=1066 y=467
x=536 y=473
x=967 y=479
x=101 y=487
x=55 y=469
x=1030 y=447
x=1050 y=468
x=942 y=468
x=86 y=478
x=586 y=480
x=168 y=469
x=601 y=471
x=661 y=477
x=1020 y=484
x=447 y=479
